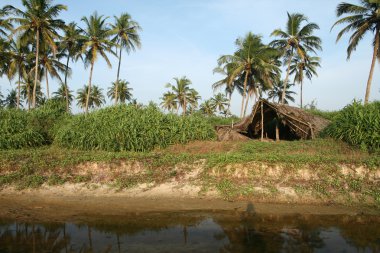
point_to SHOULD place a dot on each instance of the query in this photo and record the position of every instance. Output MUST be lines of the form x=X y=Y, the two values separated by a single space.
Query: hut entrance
x=284 y=132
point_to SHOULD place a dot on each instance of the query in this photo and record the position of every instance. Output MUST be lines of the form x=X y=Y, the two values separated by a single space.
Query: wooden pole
x=277 y=130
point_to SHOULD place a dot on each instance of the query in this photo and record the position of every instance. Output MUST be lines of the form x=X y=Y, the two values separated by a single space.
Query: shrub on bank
x=358 y=125
x=127 y=128
x=21 y=129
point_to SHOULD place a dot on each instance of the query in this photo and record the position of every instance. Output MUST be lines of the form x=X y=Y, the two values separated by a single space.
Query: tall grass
x=127 y=128
x=358 y=125
x=21 y=129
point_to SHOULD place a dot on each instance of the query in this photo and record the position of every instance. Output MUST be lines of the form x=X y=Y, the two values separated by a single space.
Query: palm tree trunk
x=67 y=88
x=36 y=67
x=47 y=84
x=117 y=79
x=184 y=107
x=246 y=104
x=18 y=89
x=89 y=88
x=286 y=79
x=375 y=52
x=229 y=100
x=28 y=95
x=301 y=92
x=244 y=90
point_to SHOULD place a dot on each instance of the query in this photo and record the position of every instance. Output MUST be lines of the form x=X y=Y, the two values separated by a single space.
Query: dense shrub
x=358 y=125
x=127 y=128
x=20 y=129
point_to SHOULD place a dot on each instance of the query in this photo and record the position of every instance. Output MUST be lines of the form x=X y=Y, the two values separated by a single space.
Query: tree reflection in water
x=196 y=232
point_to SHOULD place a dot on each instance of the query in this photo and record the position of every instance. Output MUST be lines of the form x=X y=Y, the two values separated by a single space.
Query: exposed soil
x=39 y=205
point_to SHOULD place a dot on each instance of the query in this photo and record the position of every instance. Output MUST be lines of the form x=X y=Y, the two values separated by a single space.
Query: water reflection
x=195 y=232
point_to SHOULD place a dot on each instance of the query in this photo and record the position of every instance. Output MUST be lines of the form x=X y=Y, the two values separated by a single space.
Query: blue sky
x=186 y=37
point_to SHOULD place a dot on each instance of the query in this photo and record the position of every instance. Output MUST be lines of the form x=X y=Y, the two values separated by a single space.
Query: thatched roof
x=297 y=122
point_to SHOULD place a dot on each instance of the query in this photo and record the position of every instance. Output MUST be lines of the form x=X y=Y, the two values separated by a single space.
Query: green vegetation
x=358 y=125
x=20 y=129
x=127 y=128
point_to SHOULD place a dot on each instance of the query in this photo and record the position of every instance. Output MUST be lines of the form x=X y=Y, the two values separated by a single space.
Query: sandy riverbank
x=61 y=204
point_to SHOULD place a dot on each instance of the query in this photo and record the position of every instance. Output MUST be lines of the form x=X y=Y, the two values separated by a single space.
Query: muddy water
x=199 y=231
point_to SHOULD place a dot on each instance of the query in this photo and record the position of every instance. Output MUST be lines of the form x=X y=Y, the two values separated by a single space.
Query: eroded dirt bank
x=38 y=206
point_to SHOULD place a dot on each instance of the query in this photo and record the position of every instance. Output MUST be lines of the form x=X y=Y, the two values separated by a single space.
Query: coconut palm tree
x=123 y=91
x=11 y=99
x=18 y=62
x=278 y=90
x=1 y=100
x=50 y=65
x=228 y=87
x=5 y=23
x=252 y=58
x=71 y=46
x=360 y=20
x=304 y=68
x=27 y=83
x=297 y=40
x=169 y=101
x=38 y=21
x=126 y=37
x=219 y=101
x=63 y=94
x=96 y=98
x=183 y=92
x=208 y=108
x=193 y=99
x=96 y=41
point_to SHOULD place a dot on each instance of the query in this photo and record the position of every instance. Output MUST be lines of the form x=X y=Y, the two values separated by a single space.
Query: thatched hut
x=274 y=121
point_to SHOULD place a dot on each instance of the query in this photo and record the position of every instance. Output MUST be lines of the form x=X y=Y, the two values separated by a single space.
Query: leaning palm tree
x=304 y=68
x=296 y=40
x=126 y=37
x=71 y=46
x=169 y=101
x=38 y=22
x=183 y=92
x=96 y=98
x=63 y=94
x=361 y=19
x=122 y=90
x=278 y=90
x=96 y=41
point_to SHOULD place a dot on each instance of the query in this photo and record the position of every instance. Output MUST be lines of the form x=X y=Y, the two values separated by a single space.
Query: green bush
x=127 y=128
x=21 y=129
x=358 y=125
